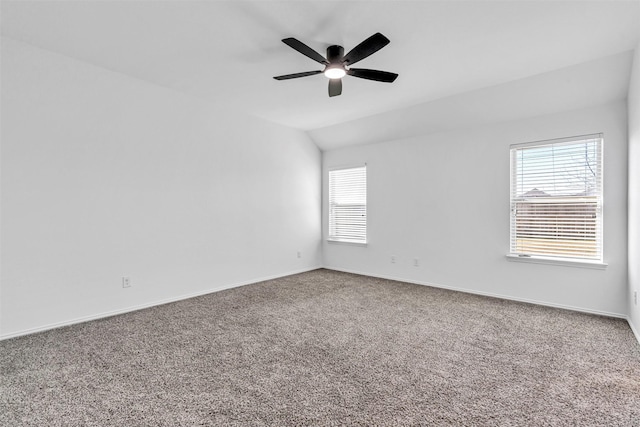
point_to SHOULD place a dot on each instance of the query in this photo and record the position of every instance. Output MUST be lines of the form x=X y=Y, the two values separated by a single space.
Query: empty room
x=273 y=213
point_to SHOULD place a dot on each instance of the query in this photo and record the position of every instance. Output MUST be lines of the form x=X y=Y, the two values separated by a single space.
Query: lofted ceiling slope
x=588 y=84
x=228 y=51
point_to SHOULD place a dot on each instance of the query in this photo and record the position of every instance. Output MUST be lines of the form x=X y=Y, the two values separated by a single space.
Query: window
x=348 y=205
x=556 y=199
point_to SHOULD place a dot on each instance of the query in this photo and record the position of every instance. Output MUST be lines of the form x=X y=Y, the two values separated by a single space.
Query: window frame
x=338 y=237
x=558 y=258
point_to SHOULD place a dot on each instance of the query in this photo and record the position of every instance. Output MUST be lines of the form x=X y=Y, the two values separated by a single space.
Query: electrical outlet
x=393 y=259
x=126 y=282
x=416 y=262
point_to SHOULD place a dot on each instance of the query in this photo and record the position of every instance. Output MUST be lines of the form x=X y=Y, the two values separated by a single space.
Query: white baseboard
x=633 y=329
x=486 y=294
x=257 y=280
x=150 y=304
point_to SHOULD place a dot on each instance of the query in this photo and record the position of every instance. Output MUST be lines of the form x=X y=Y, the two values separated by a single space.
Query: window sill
x=558 y=261
x=346 y=242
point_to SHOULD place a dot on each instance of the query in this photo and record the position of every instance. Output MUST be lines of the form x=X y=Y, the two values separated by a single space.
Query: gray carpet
x=327 y=348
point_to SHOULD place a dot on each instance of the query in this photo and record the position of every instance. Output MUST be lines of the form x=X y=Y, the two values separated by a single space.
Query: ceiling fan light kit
x=337 y=63
x=335 y=72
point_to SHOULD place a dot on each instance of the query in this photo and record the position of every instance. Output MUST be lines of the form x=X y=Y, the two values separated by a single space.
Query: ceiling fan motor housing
x=335 y=54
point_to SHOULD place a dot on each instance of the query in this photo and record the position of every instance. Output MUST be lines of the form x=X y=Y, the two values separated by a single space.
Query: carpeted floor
x=327 y=348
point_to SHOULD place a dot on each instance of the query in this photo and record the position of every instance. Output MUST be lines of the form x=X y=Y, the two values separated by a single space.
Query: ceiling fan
x=337 y=64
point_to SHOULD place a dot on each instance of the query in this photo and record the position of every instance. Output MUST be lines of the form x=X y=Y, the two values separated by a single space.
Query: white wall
x=634 y=193
x=444 y=198
x=104 y=176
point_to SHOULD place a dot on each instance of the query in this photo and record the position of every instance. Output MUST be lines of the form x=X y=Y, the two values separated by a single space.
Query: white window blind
x=556 y=198
x=348 y=205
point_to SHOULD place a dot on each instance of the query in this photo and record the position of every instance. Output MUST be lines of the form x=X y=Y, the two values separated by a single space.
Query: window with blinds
x=348 y=205
x=556 y=199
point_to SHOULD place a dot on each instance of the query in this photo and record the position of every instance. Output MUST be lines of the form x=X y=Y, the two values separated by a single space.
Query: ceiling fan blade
x=377 y=75
x=366 y=48
x=305 y=50
x=296 y=75
x=335 y=87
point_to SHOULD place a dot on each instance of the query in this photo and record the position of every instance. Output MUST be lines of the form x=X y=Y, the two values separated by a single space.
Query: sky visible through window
x=556 y=194
x=567 y=169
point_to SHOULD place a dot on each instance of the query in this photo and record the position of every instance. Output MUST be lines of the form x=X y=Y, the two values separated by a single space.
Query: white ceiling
x=592 y=83
x=228 y=51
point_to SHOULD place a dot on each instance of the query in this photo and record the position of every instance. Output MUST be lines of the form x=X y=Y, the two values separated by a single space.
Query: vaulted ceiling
x=228 y=51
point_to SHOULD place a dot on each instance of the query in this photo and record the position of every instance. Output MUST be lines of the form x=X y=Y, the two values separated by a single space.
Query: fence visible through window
x=556 y=198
